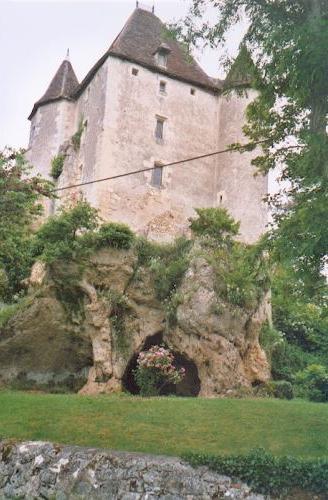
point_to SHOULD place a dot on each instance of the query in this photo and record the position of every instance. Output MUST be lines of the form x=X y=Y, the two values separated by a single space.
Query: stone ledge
x=34 y=470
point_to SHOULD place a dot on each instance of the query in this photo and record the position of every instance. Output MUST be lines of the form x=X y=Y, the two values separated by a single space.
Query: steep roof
x=62 y=86
x=143 y=34
x=138 y=42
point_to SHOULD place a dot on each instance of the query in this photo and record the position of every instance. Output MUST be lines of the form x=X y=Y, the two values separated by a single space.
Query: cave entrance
x=190 y=385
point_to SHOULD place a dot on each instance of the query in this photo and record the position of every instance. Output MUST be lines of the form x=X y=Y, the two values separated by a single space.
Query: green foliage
x=287 y=41
x=242 y=274
x=266 y=473
x=20 y=206
x=270 y=340
x=281 y=389
x=7 y=312
x=76 y=138
x=168 y=262
x=114 y=235
x=315 y=381
x=287 y=359
x=155 y=370
x=57 y=165
x=61 y=236
x=119 y=308
x=214 y=222
x=300 y=314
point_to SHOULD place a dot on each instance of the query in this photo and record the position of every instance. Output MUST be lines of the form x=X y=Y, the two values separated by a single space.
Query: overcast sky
x=34 y=37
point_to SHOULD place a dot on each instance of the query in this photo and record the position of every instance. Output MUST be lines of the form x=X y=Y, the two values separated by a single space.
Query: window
x=157 y=175
x=162 y=58
x=162 y=87
x=135 y=71
x=192 y=91
x=159 y=130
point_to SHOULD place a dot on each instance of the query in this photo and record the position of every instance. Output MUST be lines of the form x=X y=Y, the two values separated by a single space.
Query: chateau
x=146 y=103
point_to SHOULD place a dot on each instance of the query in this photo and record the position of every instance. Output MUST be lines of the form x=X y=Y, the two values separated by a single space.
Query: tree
x=288 y=42
x=20 y=205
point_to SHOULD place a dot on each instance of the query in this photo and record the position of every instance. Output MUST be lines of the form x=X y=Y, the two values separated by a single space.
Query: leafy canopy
x=288 y=44
x=20 y=205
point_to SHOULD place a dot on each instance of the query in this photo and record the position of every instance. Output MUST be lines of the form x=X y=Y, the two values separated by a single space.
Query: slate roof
x=138 y=41
x=143 y=34
x=62 y=86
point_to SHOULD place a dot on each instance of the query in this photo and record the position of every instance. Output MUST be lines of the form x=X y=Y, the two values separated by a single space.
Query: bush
x=57 y=165
x=268 y=474
x=303 y=321
x=61 y=237
x=155 y=370
x=270 y=339
x=281 y=389
x=242 y=274
x=169 y=262
x=314 y=379
x=7 y=312
x=114 y=235
x=288 y=359
x=214 y=222
x=76 y=138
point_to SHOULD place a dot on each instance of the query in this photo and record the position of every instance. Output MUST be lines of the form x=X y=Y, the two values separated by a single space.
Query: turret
x=51 y=118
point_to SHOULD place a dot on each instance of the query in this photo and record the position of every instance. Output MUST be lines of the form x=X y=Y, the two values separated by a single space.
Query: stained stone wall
x=120 y=110
x=34 y=470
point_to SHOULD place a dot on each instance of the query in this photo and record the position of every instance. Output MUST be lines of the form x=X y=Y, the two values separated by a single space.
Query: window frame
x=159 y=128
x=161 y=58
x=162 y=87
x=155 y=181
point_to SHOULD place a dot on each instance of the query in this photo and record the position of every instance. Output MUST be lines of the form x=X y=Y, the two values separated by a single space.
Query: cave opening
x=188 y=387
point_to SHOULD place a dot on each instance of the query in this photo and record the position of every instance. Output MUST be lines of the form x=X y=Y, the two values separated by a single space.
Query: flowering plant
x=155 y=369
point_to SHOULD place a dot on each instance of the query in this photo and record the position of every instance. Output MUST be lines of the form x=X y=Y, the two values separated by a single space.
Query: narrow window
x=192 y=91
x=162 y=87
x=135 y=71
x=159 y=130
x=162 y=58
x=157 y=175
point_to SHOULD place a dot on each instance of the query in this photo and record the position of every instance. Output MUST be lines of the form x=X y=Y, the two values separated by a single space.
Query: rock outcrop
x=83 y=329
x=43 y=470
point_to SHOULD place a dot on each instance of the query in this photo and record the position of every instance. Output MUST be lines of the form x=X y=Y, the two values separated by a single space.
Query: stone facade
x=119 y=104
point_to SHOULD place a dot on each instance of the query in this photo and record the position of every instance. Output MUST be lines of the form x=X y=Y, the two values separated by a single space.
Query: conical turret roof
x=62 y=86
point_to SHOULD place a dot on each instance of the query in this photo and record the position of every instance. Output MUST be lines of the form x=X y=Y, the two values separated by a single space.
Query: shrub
x=7 y=312
x=288 y=359
x=314 y=379
x=270 y=339
x=302 y=316
x=242 y=274
x=214 y=222
x=268 y=474
x=60 y=237
x=169 y=262
x=76 y=138
x=57 y=165
x=114 y=235
x=281 y=389
x=155 y=370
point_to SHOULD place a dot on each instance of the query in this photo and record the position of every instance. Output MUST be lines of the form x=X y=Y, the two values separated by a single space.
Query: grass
x=169 y=426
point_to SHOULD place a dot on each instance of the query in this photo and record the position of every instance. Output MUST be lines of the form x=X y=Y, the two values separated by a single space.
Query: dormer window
x=162 y=59
x=161 y=55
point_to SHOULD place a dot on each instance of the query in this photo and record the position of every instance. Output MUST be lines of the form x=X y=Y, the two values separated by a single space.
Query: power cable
x=133 y=172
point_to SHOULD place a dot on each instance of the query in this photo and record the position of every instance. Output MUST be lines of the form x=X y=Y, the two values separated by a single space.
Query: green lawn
x=167 y=425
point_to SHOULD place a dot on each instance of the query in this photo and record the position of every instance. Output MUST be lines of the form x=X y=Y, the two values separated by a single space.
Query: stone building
x=144 y=104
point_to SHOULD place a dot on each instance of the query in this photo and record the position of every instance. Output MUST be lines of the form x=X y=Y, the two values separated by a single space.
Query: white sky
x=34 y=37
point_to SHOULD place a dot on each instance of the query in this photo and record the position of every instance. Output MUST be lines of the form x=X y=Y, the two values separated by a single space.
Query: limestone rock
x=43 y=470
x=116 y=314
